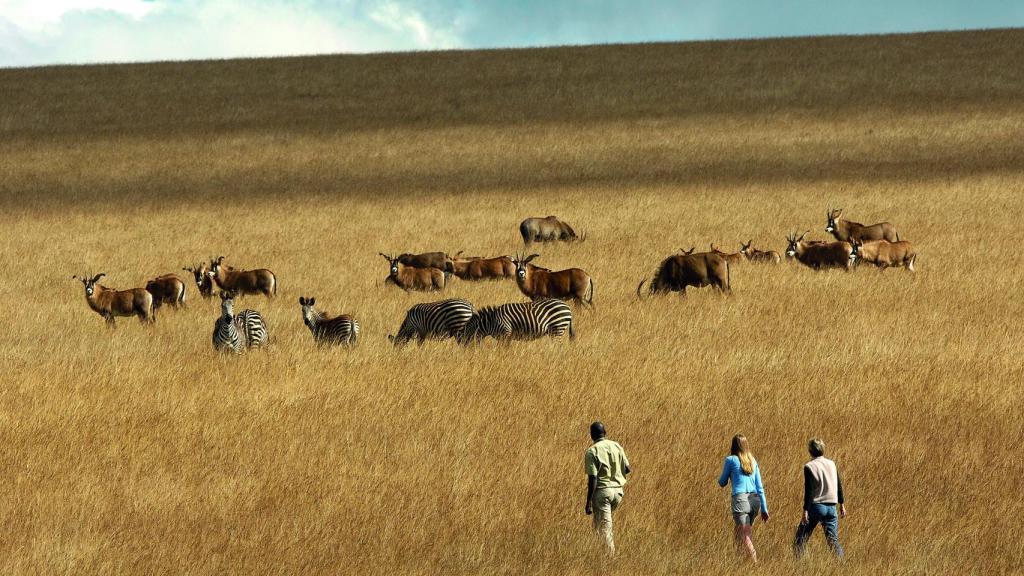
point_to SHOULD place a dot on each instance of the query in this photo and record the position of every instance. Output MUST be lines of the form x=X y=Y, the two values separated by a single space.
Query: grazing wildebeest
x=548 y=229
x=570 y=284
x=819 y=255
x=754 y=255
x=884 y=254
x=110 y=303
x=259 y=281
x=438 y=260
x=236 y=333
x=342 y=329
x=167 y=289
x=734 y=258
x=203 y=279
x=433 y=321
x=520 y=321
x=411 y=278
x=847 y=231
x=678 y=271
x=476 y=268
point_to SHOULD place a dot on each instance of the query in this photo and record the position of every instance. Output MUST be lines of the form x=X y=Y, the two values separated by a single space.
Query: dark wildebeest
x=549 y=229
x=847 y=231
x=678 y=271
x=438 y=260
x=411 y=278
x=204 y=281
x=734 y=258
x=476 y=268
x=819 y=255
x=884 y=254
x=110 y=303
x=570 y=284
x=259 y=281
x=167 y=289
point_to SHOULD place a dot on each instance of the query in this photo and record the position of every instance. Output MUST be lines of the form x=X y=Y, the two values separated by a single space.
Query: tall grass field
x=139 y=450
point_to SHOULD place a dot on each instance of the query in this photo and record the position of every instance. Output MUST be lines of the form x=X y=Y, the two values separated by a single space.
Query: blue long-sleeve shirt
x=742 y=483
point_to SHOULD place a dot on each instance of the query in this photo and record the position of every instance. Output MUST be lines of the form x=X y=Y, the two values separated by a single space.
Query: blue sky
x=39 y=32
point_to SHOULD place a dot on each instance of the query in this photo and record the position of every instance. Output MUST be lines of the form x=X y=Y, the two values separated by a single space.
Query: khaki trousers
x=604 y=502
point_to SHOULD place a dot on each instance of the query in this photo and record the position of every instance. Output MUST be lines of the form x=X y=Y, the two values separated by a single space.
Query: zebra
x=434 y=320
x=235 y=333
x=338 y=330
x=520 y=321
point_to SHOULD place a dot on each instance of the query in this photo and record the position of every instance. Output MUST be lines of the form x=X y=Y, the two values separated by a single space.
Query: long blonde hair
x=741 y=450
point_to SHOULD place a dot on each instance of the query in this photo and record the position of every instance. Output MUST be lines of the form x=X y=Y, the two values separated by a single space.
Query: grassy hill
x=140 y=450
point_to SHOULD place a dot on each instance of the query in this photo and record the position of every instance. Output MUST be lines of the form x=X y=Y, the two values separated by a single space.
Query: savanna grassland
x=140 y=451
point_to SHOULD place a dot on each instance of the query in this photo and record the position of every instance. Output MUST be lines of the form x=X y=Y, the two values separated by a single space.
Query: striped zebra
x=520 y=321
x=338 y=330
x=235 y=333
x=434 y=320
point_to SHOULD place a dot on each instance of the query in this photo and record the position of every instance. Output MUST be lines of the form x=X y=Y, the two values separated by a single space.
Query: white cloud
x=77 y=31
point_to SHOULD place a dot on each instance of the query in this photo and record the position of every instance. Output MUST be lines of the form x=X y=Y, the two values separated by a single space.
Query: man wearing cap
x=606 y=466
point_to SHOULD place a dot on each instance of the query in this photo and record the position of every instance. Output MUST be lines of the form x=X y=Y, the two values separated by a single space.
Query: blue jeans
x=826 y=516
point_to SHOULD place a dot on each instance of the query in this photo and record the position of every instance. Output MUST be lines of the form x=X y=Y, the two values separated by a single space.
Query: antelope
x=687 y=252
x=341 y=329
x=754 y=255
x=438 y=260
x=167 y=289
x=819 y=255
x=259 y=281
x=537 y=283
x=201 y=273
x=678 y=271
x=110 y=303
x=884 y=254
x=476 y=268
x=549 y=229
x=409 y=278
x=734 y=258
x=846 y=231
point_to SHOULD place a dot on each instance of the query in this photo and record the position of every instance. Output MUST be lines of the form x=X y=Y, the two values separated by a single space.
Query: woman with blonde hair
x=747 y=493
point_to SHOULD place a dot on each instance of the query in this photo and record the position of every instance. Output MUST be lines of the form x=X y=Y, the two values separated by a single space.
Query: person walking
x=823 y=492
x=748 y=499
x=606 y=466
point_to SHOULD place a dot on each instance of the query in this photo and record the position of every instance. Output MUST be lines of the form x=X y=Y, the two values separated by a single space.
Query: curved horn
x=531 y=257
x=98 y=276
x=638 y=288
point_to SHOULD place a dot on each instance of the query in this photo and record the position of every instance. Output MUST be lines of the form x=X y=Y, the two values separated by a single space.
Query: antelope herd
x=545 y=314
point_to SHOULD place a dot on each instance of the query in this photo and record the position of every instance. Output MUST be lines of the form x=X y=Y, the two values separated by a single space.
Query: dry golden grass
x=140 y=451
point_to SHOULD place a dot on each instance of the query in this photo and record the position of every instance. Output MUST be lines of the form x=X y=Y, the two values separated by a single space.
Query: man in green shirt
x=606 y=466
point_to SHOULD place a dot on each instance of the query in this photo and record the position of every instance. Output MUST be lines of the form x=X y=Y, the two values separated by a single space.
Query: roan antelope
x=819 y=255
x=847 y=231
x=110 y=303
x=733 y=258
x=548 y=229
x=476 y=268
x=201 y=274
x=167 y=289
x=410 y=278
x=885 y=254
x=679 y=271
x=537 y=283
x=754 y=255
x=240 y=282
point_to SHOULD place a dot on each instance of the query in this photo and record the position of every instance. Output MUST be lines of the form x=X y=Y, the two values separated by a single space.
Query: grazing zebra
x=235 y=333
x=338 y=330
x=434 y=320
x=520 y=321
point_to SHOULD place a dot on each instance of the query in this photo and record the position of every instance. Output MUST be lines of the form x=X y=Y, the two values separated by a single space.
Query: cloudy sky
x=38 y=32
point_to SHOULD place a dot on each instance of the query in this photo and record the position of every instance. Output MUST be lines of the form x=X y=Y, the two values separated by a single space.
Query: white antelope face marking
x=521 y=272
x=394 y=268
x=89 y=290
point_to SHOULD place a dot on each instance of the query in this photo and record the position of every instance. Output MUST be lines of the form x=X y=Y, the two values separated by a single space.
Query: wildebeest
x=570 y=284
x=411 y=278
x=819 y=255
x=167 y=289
x=259 y=281
x=438 y=260
x=433 y=321
x=884 y=254
x=201 y=274
x=754 y=255
x=678 y=271
x=110 y=303
x=847 y=231
x=733 y=258
x=342 y=329
x=476 y=268
x=548 y=229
